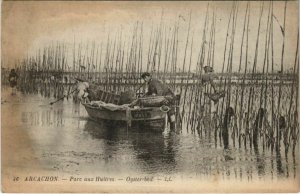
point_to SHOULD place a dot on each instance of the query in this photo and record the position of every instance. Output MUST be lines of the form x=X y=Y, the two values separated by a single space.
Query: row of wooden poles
x=250 y=112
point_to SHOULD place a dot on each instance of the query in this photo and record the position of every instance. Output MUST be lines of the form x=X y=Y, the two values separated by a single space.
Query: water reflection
x=279 y=162
x=44 y=118
x=155 y=151
x=260 y=162
x=65 y=138
x=103 y=130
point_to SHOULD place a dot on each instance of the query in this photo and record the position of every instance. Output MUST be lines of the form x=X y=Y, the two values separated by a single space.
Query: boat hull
x=148 y=118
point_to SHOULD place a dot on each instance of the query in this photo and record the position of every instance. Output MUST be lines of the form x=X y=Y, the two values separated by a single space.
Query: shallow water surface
x=65 y=140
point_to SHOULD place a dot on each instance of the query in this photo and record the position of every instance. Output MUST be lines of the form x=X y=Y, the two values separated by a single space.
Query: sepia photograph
x=149 y=96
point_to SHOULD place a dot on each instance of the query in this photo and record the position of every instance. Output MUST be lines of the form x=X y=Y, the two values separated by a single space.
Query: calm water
x=66 y=141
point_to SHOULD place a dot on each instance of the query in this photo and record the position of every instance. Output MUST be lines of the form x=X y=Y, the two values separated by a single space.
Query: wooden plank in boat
x=106 y=115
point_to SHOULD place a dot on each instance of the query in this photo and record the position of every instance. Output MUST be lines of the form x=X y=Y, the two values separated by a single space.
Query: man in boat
x=13 y=77
x=82 y=90
x=208 y=78
x=157 y=88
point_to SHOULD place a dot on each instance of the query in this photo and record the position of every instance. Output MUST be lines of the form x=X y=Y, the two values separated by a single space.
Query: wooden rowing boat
x=150 y=117
x=148 y=112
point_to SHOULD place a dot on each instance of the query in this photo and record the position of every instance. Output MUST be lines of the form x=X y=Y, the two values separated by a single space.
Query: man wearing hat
x=208 y=77
x=157 y=88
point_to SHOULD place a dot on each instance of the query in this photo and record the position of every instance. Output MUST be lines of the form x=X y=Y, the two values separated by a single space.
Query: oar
x=142 y=85
x=77 y=79
x=51 y=103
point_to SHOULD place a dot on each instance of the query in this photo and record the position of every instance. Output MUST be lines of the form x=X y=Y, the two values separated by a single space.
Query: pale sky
x=30 y=26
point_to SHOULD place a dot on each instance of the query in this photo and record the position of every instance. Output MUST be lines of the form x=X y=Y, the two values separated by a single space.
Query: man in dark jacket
x=208 y=78
x=157 y=88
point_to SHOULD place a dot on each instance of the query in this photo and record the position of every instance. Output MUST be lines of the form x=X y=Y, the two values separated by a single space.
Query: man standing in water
x=208 y=77
x=157 y=88
x=13 y=77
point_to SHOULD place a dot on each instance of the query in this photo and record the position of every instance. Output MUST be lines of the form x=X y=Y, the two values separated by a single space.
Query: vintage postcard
x=150 y=96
